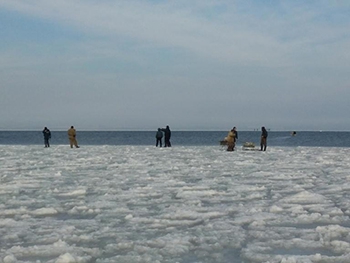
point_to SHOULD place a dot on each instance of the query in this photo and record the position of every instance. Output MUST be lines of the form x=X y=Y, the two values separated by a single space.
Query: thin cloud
x=230 y=36
x=204 y=57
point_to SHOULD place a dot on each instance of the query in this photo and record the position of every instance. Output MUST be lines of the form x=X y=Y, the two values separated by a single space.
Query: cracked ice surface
x=181 y=204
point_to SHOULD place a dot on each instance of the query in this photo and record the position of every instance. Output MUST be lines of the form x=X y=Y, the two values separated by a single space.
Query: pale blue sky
x=194 y=65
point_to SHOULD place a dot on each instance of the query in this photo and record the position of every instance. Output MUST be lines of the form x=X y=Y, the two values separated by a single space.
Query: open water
x=179 y=138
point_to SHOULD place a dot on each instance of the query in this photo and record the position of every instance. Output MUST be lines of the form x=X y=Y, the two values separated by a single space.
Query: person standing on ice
x=263 y=139
x=236 y=133
x=159 y=136
x=72 y=137
x=167 y=135
x=231 y=140
x=47 y=137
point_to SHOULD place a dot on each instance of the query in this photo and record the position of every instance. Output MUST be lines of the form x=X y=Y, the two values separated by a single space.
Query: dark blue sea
x=179 y=138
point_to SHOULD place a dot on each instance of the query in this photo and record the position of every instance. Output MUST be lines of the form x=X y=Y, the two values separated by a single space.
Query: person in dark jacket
x=236 y=133
x=263 y=140
x=167 y=135
x=47 y=137
x=159 y=136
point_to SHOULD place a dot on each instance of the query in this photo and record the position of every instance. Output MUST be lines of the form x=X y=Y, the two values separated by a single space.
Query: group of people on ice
x=230 y=139
x=71 y=136
x=232 y=136
x=159 y=137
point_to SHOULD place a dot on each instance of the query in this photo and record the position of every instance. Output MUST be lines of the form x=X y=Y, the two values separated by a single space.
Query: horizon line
x=175 y=130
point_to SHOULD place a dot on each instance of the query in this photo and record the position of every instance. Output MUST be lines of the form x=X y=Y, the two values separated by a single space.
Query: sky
x=192 y=65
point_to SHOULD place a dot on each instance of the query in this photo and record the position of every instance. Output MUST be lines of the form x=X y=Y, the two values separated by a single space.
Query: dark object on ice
x=159 y=136
x=167 y=135
x=47 y=137
x=263 y=139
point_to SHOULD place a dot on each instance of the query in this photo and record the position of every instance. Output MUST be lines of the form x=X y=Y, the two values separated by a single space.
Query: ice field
x=186 y=204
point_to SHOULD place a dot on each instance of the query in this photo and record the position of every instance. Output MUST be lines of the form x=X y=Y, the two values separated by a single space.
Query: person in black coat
x=263 y=139
x=167 y=135
x=236 y=133
x=159 y=136
x=47 y=137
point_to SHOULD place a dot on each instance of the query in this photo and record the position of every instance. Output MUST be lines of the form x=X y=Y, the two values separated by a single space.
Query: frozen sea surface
x=182 y=204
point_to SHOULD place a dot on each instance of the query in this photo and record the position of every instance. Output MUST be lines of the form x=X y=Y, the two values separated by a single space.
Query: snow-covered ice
x=182 y=204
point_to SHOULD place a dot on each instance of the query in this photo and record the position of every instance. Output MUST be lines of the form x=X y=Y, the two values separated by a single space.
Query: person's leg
x=76 y=143
x=71 y=142
x=263 y=144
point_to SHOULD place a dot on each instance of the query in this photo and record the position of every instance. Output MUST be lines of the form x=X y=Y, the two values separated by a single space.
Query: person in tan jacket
x=231 y=140
x=71 y=135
